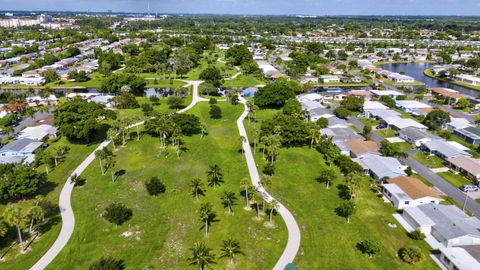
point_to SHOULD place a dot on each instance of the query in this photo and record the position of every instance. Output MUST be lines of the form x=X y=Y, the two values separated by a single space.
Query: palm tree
x=101 y=154
x=214 y=176
x=112 y=134
x=59 y=152
x=228 y=200
x=196 y=186
x=110 y=163
x=258 y=198
x=201 y=256
x=230 y=248
x=314 y=136
x=255 y=137
x=353 y=182
x=35 y=213
x=136 y=119
x=274 y=206
x=14 y=217
x=242 y=141
x=206 y=215
x=246 y=184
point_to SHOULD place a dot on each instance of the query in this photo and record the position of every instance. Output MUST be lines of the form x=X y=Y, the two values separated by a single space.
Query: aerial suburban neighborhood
x=150 y=135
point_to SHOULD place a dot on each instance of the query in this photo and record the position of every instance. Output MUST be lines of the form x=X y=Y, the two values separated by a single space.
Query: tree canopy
x=19 y=181
x=274 y=95
x=114 y=83
x=436 y=118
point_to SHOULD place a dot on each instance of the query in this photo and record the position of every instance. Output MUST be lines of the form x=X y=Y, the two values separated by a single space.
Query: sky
x=259 y=7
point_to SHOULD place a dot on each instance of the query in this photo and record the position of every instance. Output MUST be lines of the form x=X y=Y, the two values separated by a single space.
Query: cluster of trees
x=348 y=106
x=238 y=55
x=19 y=181
x=51 y=156
x=274 y=95
x=212 y=76
x=108 y=61
x=203 y=257
x=436 y=118
x=81 y=76
x=116 y=81
x=79 y=120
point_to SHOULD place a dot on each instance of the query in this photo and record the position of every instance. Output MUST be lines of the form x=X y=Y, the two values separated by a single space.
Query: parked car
x=381 y=126
x=468 y=188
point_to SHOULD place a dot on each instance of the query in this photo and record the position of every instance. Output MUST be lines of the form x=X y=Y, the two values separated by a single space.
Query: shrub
x=269 y=169
x=107 y=263
x=369 y=247
x=155 y=186
x=215 y=112
x=213 y=101
x=117 y=213
x=411 y=254
x=417 y=235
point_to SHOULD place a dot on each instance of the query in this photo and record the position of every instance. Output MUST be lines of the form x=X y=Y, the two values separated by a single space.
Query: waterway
x=415 y=70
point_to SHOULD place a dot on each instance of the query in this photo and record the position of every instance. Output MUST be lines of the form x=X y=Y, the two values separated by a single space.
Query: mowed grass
x=328 y=241
x=57 y=178
x=167 y=226
x=243 y=81
x=429 y=161
x=457 y=180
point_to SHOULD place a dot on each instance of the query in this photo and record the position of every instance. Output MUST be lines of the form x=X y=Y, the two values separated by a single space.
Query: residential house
x=399 y=78
x=341 y=134
x=373 y=105
x=38 y=133
x=470 y=79
x=380 y=167
x=443 y=150
x=361 y=93
x=399 y=123
x=460 y=258
x=453 y=95
x=319 y=112
x=34 y=101
x=404 y=191
x=410 y=105
x=456 y=123
x=466 y=165
x=449 y=225
x=19 y=150
x=329 y=79
x=335 y=122
x=391 y=93
x=470 y=134
x=417 y=136
x=308 y=79
x=359 y=148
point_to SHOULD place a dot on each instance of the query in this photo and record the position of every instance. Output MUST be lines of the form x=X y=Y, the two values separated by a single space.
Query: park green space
x=57 y=177
x=167 y=226
x=328 y=241
x=243 y=81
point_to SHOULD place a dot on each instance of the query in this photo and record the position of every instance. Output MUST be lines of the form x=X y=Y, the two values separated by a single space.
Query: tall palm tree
x=353 y=181
x=112 y=134
x=242 y=141
x=228 y=199
x=101 y=154
x=246 y=184
x=110 y=163
x=206 y=215
x=196 y=186
x=35 y=213
x=14 y=217
x=258 y=198
x=255 y=137
x=230 y=249
x=274 y=206
x=214 y=176
x=201 y=256
x=314 y=136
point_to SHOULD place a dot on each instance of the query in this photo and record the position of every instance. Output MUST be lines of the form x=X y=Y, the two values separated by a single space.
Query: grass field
x=386 y=133
x=57 y=177
x=166 y=227
x=243 y=81
x=457 y=180
x=328 y=241
x=429 y=161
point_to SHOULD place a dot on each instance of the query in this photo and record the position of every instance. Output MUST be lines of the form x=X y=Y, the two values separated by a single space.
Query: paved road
x=68 y=218
x=293 y=243
x=447 y=188
x=442 y=184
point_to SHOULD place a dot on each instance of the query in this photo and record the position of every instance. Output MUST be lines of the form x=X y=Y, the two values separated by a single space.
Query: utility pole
x=465 y=202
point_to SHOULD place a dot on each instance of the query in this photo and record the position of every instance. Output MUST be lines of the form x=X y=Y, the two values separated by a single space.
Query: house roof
x=459 y=123
x=418 y=134
x=386 y=93
x=362 y=93
x=358 y=147
x=411 y=104
x=414 y=188
x=468 y=164
x=383 y=113
x=21 y=145
x=381 y=166
x=446 y=92
x=444 y=148
x=462 y=257
x=373 y=105
x=341 y=133
x=450 y=221
x=38 y=132
x=471 y=132
x=402 y=123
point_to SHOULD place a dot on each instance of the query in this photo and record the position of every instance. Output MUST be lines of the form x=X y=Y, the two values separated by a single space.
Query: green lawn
x=403 y=146
x=94 y=82
x=429 y=161
x=57 y=177
x=194 y=74
x=167 y=226
x=328 y=241
x=243 y=81
x=369 y=121
x=457 y=180
x=386 y=133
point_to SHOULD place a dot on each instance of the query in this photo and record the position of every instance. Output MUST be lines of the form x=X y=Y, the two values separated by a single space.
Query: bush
x=117 y=213
x=215 y=112
x=369 y=247
x=155 y=186
x=213 y=101
x=107 y=263
x=269 y=169
x=341 y=112
x=417 y=235
x=411 y=254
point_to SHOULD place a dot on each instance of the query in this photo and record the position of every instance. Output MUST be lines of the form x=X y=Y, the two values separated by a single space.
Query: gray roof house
x=341 y=134
x=446 y=223
x=18 y=150
x=417 y=136
x=469 y=134
x=319 y=112
x=380 y=167
x=443 y=150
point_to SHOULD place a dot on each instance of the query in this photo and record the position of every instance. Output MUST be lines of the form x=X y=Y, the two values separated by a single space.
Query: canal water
x=415 y=70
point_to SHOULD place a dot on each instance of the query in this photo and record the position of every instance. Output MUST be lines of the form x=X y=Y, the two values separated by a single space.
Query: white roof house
x=381 y=167
x=401 y=123
x=456 y=123
x=38 y=133
x=446 y=223
x=459 y=258
x=18 y=150
x=443 y=150
x=330 y=78
x=383 y=114
x=409 y=105
x=374 y=105
x=391 y=93
x=34 y=100
x=417 y=136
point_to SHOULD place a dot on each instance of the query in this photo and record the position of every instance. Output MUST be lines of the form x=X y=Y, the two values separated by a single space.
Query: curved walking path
x=66 y=211
x=293 y=243
x=235 y=75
